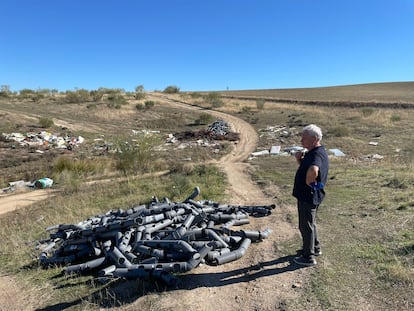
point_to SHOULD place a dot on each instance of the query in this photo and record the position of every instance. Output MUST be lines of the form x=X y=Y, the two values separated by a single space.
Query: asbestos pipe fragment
x=253 y=235
x=158 y=209
x=150 y=219
x=116 y=256
x=185 y=266
x=221 y=217
x=193 y=195
x=236 y=222
x=215 y=237
x=170 y=244
x=234 y=255
x=135 y=210
x=146 y=250
x=86 y=266
x=264 y=210
x=107 y=271
x=124 y=240
x=181 y=230
x=213 y=255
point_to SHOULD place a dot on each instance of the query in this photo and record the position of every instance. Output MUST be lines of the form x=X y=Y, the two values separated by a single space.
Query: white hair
x=313 y=130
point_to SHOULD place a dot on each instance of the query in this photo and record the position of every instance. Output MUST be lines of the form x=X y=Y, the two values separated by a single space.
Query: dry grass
x=398 y=92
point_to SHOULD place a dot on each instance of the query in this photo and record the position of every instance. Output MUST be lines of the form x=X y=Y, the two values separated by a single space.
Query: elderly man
x=308 y=189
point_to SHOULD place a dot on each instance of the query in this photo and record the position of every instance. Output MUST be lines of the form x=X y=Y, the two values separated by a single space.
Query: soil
x=263 y=279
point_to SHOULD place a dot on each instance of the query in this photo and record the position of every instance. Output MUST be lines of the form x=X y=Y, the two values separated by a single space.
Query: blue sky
x=204 y=45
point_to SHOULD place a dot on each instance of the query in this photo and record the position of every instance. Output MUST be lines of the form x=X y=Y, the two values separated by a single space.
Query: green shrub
x=116 y=101
x=136 y=156
x=246 y=109
x=149 y=104
x=260 y=104
x=395 y=118
x=139 y=106
x=172 y=89
x=80 y=167
x=45 y=122
x=204 y=118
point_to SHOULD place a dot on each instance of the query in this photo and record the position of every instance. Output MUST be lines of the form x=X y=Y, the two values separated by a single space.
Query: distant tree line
x=113 y=97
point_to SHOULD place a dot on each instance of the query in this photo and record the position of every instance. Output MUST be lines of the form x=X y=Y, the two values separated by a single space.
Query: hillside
x=395 y=92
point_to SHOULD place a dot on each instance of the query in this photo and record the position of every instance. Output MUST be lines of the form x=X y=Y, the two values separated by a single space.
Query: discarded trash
x=377 y=157
x=275 y=150
x=218 y=129
x=44 y=139
x=15 y=185
x=43 y=183
x=373 y=143
x=153 y=240
x=260 y=153
x=336 y=152
x=372 y=157
x=293 y=149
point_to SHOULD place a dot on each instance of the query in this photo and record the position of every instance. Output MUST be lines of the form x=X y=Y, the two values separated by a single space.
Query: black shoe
x=317 y=252
x=304 y=261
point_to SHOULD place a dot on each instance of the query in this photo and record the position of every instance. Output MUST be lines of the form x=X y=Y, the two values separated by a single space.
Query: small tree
x=214 y=100
x=96 y=95
x=172 y=89
x=116 y=101
x=139 y=92
x=5 y=90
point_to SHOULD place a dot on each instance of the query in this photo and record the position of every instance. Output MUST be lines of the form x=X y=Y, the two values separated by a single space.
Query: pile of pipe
x=153 y=241
x=219 y=128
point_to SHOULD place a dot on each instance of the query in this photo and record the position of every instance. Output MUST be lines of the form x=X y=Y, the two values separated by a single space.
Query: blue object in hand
x=317 y=185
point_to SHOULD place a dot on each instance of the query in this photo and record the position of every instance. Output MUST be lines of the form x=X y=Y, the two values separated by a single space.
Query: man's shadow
x=217 y=279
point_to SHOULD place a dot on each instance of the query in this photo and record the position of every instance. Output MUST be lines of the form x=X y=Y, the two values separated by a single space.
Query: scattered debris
x=22 y=184
x=373 y=143
x=153 y=240
x=373 y=157
x=43 y=183
x=44 y=139
x=260 y=153
x=336 y=152
x=275 y=150
x=218 y=129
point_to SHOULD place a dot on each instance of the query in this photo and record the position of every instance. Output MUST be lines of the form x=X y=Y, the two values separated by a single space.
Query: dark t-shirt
x=301 y=190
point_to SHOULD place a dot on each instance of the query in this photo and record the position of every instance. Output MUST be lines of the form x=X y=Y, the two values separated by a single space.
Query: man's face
x=307 y=141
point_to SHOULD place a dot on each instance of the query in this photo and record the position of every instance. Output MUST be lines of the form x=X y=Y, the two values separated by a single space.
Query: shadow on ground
x=121 y=292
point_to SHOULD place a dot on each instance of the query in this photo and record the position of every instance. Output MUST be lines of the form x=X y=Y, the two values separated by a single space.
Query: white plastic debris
x=336 y=152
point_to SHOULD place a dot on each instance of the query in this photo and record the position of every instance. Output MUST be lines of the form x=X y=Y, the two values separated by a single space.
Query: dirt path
x=12 y=202
x=261 y=280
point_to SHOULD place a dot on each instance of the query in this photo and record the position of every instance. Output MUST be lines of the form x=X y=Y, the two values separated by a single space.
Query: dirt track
x=260 y=280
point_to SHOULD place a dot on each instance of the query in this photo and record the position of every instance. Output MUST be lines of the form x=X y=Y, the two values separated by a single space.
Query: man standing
x=310 y=180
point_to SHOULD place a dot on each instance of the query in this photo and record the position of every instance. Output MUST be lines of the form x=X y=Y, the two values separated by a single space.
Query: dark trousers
x=307 y=228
